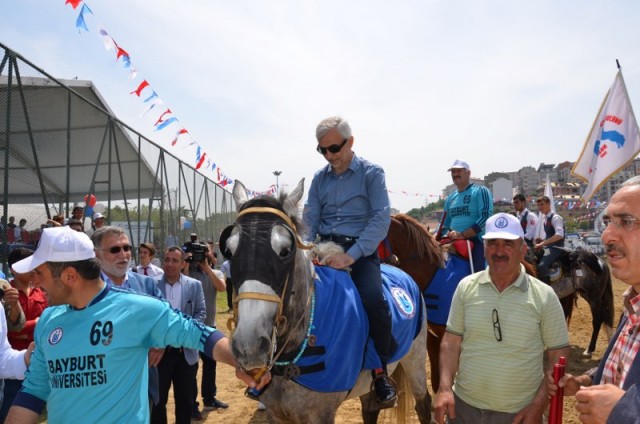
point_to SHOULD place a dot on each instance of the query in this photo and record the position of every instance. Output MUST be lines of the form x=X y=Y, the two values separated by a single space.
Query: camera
x=198 y=251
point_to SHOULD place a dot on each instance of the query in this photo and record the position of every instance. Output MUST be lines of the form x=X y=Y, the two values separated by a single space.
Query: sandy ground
x=243 y=410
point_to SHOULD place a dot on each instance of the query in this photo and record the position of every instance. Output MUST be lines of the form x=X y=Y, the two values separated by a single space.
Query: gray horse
x=274 y=281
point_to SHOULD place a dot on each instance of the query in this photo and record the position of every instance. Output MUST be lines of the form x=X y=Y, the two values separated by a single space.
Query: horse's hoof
x=587 y=354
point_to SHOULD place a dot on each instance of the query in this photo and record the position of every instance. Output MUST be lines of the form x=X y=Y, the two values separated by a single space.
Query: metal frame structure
x=60 y=142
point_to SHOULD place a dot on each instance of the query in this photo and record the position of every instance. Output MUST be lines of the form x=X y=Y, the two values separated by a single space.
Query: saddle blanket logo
x=55 y=336
x=403 y=301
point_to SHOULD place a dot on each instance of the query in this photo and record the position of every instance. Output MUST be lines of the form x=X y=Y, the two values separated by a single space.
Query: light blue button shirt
x=354 y=203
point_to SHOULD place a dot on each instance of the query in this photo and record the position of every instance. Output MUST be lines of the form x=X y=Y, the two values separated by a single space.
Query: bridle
x=280 y=321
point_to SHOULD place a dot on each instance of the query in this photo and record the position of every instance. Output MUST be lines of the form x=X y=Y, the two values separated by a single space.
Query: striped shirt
x=504 y=375
x=627 y=345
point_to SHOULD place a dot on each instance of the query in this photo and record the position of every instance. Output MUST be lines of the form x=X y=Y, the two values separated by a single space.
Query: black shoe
x=196 y=415
x=215 y=404
x=385 y=391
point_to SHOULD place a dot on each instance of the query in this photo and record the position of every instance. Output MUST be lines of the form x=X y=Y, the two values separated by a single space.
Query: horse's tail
x=405 y=400
x=607 y=300
x=568 y=303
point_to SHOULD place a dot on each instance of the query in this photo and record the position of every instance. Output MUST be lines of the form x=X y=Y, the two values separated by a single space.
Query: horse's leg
x=596 y=323
x=369 y=415
x=434 y=338
x=597 y=318
x=412 y=373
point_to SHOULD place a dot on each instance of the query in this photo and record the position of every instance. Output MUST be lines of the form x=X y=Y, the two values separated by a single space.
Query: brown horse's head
x=418 y=252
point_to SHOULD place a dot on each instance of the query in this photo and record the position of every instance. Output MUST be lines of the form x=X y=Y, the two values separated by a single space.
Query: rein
x=280 y=321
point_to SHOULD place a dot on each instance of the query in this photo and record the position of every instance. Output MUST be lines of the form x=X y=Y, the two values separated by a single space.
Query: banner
x=614 y=140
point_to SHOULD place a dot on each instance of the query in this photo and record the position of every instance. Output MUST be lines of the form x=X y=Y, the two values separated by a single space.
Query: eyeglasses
x=334 y=148
x=116 y=249
x=627 y=222
x=496 y=326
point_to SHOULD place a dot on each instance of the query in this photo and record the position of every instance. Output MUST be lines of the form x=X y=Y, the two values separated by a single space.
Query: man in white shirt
x=527 y=219
x=552 y=226
x=13 y=363
x=146 y=253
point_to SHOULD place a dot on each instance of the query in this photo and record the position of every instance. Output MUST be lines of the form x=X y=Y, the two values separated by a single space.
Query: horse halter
x=250 y=264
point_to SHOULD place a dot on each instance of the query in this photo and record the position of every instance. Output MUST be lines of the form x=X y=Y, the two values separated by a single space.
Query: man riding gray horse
x=348 y=204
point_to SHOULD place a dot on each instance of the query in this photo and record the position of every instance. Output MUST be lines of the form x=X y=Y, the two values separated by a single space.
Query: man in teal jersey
x=501 y=321
x=467 y=211
x=90 y=362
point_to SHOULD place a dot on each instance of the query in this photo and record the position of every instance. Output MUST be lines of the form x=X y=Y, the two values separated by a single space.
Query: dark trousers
x=208 y=384
x=550 y=256
x=229 y=293
x=173 y=368
x=365 y=273
x=477 y=253
x=11 y=389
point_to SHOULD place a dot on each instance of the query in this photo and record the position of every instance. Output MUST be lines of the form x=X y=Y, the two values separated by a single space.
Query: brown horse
x=419 y=255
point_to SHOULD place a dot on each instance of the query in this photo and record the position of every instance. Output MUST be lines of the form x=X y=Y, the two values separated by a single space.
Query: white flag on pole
x=614 y=140
x=548 y=191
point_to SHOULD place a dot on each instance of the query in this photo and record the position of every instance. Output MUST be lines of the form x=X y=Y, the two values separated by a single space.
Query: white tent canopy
x=64 y=144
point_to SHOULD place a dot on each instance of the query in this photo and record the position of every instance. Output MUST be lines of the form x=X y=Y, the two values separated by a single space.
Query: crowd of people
x=20 y=236
x=501 y=324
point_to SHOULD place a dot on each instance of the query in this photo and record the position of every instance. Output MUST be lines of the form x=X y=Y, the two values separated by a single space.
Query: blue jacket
x=627 y=410
x=192 y=305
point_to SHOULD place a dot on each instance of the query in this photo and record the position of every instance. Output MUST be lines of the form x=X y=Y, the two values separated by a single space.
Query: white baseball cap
x=97 y=215
x=503 y=226
x=459 y=164
x=58 y=244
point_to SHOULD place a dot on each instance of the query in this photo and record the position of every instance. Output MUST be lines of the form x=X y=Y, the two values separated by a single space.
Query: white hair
x=333 y=122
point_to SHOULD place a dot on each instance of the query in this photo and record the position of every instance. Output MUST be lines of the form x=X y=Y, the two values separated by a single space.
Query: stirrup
x=374 y=405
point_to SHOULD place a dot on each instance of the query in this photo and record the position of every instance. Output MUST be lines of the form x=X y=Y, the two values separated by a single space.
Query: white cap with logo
x=503 y=226
x=459 y=164
x=58 y=244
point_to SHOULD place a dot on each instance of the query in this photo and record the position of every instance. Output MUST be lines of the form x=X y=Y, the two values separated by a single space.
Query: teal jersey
x=468 y=209
x=91 y=365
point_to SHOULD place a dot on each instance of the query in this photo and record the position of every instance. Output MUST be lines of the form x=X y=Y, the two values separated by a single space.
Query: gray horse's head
x=263 y=243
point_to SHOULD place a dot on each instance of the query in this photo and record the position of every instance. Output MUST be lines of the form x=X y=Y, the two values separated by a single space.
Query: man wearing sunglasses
x=611 y=392
x=348 y=204
x=500 y=323
x=91 y=344
x=113 y=251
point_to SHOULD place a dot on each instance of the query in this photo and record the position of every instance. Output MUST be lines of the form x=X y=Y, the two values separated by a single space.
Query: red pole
x=556 y=406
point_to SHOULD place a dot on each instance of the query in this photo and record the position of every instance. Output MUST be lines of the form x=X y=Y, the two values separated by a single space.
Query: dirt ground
x=243 y=410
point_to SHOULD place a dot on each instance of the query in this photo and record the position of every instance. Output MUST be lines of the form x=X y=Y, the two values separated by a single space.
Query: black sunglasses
x=496 y=326
x=117 y=249
x=334 y=148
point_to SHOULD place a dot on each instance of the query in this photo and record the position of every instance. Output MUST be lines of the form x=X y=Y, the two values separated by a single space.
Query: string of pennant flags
x=166 y=119
x=202 y=161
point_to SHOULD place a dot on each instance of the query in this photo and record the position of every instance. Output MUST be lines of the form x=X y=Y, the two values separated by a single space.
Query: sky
x=499 y=84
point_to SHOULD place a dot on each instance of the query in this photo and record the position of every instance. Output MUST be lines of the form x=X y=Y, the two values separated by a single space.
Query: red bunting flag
x=161 y=118
x=201 y=161
x=73 y=3
x=141 y=87
x=178 y=134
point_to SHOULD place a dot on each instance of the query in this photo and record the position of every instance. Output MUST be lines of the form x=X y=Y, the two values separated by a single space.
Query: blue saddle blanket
x=340 y=325
x=439 y=294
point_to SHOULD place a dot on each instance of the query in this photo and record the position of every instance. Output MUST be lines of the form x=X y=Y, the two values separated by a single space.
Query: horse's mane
x=424 y=242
